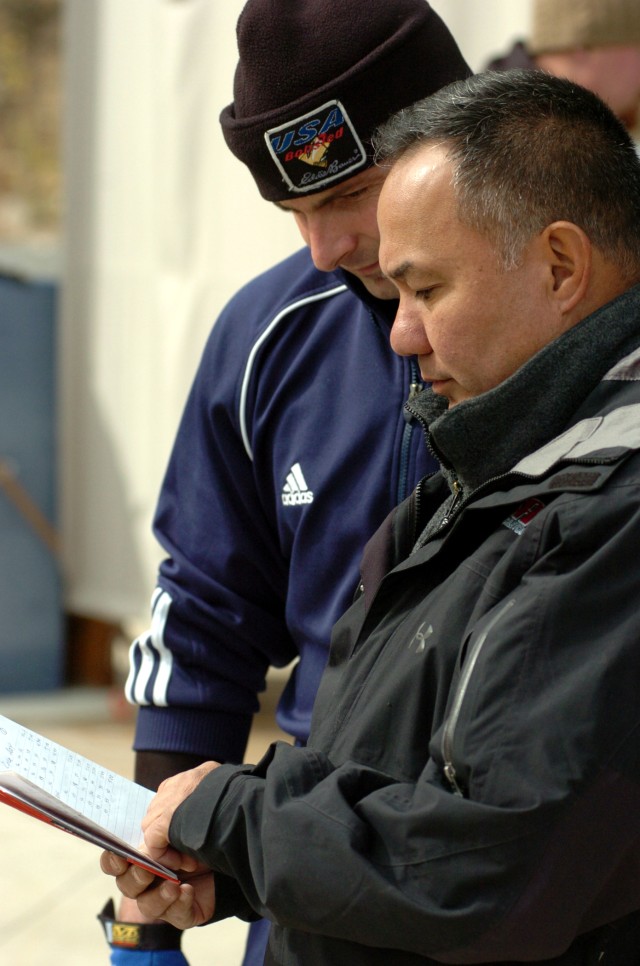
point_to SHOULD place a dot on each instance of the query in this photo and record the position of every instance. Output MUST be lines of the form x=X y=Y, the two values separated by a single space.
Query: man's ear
x=569 y=255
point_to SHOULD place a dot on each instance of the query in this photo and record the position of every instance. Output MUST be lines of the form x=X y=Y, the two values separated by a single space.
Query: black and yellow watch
x=138 y=935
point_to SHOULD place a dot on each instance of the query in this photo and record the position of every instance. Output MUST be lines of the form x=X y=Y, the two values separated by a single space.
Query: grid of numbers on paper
x=85 y=786
x=100 y=795
x=76 y=781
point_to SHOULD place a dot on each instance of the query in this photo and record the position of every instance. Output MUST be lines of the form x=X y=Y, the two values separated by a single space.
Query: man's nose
x=408 y=336
x=329 y=241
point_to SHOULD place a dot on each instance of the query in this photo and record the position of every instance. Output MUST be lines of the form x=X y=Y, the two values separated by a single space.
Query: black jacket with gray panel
x=471 y=789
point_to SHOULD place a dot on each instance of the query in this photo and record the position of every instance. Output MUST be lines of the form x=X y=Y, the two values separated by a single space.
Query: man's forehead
x=417 y=211
x=421 y=179
x=424 y=163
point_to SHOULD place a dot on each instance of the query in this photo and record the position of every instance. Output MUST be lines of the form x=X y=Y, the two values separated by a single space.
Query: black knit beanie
x=315 y=79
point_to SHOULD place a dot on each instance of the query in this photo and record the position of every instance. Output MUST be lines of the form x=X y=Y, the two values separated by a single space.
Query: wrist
x=138 y=935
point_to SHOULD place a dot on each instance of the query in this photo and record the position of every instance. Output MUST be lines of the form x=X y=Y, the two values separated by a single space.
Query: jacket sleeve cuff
x=231 y=901
x=211 y=735
x=192 y=819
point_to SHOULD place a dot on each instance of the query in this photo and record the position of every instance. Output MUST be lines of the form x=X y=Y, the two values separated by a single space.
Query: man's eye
x=423 y=294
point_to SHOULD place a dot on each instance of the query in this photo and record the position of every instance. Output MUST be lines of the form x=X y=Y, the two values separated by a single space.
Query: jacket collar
x=383 y=310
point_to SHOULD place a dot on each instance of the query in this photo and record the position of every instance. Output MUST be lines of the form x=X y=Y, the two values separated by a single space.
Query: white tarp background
x=162 y=226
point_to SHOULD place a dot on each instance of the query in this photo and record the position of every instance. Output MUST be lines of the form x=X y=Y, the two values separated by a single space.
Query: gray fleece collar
x=485 y=436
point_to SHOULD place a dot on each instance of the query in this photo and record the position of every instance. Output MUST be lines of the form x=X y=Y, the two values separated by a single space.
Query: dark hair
x=529 y=149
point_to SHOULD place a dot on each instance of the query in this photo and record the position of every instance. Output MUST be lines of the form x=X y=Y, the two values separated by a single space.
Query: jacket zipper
x=415 y=387
x=458 y=504
x=456 y=490
x=449 y=730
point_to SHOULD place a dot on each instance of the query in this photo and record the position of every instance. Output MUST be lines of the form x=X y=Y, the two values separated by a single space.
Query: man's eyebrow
x=400 y=271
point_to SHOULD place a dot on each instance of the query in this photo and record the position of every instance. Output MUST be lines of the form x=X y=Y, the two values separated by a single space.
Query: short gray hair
x=529 y=149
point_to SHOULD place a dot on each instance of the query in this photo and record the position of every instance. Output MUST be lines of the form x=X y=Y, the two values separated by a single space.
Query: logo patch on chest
x=520 y=519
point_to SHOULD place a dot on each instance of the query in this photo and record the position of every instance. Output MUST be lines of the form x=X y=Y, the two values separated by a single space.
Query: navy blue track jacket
x=292 y=449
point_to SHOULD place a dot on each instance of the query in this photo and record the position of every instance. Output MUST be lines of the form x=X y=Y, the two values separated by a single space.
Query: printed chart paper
x=53 y=783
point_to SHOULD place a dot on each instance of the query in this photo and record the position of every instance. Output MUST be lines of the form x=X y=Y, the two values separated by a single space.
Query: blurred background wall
x=159 y=226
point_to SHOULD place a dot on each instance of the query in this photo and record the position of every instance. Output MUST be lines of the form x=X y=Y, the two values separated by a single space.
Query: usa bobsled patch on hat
x=303 y=63
x=319 y=146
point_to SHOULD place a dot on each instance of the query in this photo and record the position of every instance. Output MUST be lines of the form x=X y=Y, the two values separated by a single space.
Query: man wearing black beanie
x=286 y=460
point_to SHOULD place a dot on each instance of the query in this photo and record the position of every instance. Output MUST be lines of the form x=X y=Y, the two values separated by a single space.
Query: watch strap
x=138 y=935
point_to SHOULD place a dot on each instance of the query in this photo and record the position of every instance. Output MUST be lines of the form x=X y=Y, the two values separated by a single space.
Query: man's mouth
x=437 y=385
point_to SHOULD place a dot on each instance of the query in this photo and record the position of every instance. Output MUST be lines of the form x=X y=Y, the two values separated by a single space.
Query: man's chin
x=446 y=389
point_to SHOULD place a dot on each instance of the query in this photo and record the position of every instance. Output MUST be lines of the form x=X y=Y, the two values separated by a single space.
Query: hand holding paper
x=188 y=903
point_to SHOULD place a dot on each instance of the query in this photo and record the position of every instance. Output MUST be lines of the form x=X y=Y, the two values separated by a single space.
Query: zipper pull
x=450 y=774
x=415 y=388
x=456 y=491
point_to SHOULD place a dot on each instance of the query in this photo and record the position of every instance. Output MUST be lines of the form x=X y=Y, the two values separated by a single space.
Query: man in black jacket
x=470 y=790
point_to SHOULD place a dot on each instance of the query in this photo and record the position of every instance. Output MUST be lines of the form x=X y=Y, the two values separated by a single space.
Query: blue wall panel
x=31 y=625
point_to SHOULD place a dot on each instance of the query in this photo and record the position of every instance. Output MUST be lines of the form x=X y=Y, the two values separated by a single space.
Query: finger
x=155 y=834
x=178 y=861
x=113 y=864
x=171 y=902
x=172 y=859
x=134 y=881
x=154 y=812
x=190 y=864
